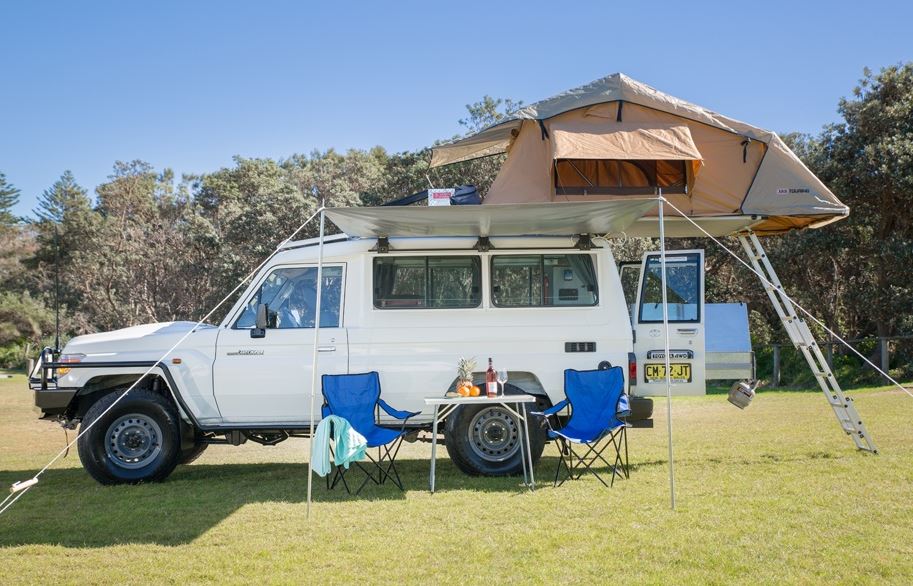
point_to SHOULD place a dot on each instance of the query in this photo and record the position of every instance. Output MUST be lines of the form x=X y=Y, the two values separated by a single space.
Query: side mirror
x=259 y=330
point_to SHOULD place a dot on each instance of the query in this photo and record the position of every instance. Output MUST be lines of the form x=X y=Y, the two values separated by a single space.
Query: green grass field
x=772 y=494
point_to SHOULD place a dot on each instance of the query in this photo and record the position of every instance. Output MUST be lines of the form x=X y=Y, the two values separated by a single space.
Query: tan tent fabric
x=623 y=141
x=746 y=170
x=491 y=141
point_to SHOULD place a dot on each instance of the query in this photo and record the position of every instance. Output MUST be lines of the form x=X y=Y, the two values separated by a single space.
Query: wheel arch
x=102 y=385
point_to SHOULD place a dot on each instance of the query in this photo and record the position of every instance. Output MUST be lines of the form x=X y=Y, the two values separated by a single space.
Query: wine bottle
x=491 y=381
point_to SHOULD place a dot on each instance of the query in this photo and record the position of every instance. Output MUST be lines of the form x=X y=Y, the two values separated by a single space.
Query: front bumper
x=50 y=398
x=53 y=401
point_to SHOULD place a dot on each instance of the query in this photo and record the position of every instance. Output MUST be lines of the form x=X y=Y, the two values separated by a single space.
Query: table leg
x=519 y=407
x=529 y=448
x=433 y=448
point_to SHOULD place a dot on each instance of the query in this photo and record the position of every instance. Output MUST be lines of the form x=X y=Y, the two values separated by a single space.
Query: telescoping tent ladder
x=803 y=339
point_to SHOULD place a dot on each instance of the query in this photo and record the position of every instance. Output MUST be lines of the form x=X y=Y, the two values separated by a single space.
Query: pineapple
x=465 y=368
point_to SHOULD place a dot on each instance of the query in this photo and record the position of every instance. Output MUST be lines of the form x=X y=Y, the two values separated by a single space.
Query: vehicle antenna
x=56 y=290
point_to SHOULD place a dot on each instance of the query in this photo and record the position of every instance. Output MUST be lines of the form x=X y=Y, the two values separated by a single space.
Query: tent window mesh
x=619 y=177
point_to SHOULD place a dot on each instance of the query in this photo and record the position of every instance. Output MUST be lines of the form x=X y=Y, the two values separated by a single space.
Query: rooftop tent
x=616 y=138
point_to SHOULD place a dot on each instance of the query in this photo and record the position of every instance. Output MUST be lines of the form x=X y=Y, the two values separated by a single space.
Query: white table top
x=479 y=399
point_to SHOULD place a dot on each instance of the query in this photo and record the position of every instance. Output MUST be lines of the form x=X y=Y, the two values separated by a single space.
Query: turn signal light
x=69 y=358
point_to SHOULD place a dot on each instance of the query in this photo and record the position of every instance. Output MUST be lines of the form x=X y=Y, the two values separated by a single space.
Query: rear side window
x=427 y=282
x=544 y=280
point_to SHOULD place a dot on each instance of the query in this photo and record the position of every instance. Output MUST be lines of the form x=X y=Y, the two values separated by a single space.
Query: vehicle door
x=629 y=272
x=265 y=376
x=685 y=298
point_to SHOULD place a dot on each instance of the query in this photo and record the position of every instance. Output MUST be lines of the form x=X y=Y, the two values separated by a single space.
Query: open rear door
x=685 y=295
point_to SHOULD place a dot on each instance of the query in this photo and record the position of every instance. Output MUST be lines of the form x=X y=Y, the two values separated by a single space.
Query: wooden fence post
x=885 y=356
x=776 y=373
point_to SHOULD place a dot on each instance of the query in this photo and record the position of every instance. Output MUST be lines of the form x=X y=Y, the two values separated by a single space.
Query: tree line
x=151 y=246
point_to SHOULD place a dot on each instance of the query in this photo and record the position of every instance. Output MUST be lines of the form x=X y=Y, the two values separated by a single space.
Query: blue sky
x=187 y=85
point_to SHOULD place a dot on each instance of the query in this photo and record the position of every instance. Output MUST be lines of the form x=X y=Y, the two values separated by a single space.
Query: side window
x=683 y=289
x=291 y=295
x=422 y=282
x=551 y=280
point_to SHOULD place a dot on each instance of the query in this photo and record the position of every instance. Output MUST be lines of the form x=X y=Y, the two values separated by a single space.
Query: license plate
x=678 y=372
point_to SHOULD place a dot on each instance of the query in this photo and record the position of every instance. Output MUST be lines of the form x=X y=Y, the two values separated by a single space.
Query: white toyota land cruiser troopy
x=408 y=308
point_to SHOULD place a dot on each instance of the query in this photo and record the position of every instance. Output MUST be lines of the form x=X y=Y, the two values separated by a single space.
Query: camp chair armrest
x=552 y=410
x=396 y=412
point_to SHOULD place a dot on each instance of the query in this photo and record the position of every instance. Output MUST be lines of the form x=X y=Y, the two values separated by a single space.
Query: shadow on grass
x=68 y=508
x=724 y=390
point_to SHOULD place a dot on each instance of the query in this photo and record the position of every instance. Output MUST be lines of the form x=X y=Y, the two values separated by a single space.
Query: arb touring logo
x=792 y=190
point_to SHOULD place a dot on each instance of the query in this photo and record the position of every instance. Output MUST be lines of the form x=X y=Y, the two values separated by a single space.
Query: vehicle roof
x=343 y=245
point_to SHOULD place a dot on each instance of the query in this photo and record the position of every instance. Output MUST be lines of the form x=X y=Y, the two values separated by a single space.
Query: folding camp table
x=444 y=406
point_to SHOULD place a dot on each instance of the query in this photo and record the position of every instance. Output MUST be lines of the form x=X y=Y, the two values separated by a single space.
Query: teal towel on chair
x=350 y=445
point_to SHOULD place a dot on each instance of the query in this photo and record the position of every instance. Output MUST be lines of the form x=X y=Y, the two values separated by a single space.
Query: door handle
x=690 y=331
x=326 y=348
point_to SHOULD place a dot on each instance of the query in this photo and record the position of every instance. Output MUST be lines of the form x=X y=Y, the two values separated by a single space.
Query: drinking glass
x=502 y=379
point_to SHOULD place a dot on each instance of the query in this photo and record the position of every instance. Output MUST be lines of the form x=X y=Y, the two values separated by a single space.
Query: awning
x=599 y=217
x=624 y=141
x=491 y=141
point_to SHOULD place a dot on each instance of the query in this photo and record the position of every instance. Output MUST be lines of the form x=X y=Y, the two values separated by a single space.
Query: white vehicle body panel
x=227 y=378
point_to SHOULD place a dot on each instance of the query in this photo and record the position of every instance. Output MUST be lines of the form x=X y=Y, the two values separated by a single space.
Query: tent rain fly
x=617 y=138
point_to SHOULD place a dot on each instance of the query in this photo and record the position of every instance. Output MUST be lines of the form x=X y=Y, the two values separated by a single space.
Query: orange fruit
x=474 y=391
x=463 y=391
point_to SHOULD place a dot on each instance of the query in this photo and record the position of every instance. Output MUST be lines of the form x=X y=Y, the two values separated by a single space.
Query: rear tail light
x=632 y=369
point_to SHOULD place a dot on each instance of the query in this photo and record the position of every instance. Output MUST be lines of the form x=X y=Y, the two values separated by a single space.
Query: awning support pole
x=315 y=354
x=662 y=264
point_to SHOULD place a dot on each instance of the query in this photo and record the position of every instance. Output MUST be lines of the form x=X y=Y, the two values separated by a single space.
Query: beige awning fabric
x=598 y=217
x=670 y=142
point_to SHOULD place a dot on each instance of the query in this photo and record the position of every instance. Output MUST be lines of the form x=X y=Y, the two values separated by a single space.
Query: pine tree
x=65 y=195
x=9 y=197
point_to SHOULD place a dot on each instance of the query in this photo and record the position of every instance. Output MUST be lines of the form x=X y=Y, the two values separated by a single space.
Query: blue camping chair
x=356 y=398
x=595 y=398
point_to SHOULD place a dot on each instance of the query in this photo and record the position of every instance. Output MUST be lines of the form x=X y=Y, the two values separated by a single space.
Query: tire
x=483 y=440
x=190 y=454
x=138 y=440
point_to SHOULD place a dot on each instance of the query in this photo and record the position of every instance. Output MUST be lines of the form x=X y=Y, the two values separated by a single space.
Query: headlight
x=69 y=358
